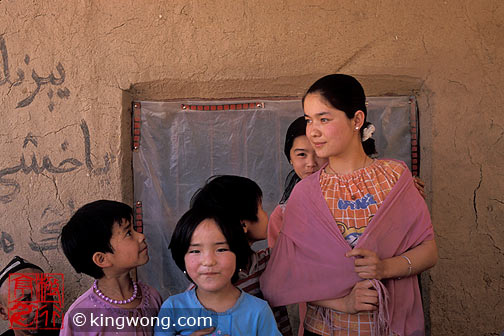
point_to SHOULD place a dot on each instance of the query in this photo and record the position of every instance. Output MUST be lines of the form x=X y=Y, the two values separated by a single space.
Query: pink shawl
x=308 y=262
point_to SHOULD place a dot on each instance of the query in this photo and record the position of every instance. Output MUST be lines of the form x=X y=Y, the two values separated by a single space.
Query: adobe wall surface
x=69 y=68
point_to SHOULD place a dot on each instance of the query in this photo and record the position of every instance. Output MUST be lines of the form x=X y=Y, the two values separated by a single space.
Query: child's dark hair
x=229 y=226
x=346 y=94
x=296 y=128
x=237 y=195
x=89 y=231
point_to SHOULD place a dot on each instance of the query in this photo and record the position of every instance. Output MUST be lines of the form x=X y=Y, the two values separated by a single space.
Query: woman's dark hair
x=229 y=226
x=89 y=231
x=290 y=182
x=237 y=195
x=296 y=128
x=346 y=94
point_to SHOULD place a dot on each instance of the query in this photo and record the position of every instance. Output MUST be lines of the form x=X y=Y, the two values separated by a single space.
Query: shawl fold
x=308 y=262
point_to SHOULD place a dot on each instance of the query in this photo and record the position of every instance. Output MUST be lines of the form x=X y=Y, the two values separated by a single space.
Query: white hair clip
x=368 y=132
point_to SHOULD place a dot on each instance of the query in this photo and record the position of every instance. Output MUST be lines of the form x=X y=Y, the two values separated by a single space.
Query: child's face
x=257 y=230
x=129 y=246
x=209 y=261
x=304 y=160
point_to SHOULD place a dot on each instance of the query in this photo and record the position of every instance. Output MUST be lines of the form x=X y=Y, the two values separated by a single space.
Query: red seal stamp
x=36 y=300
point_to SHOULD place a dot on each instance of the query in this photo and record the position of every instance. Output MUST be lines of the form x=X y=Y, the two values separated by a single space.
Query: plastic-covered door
x=179 y=145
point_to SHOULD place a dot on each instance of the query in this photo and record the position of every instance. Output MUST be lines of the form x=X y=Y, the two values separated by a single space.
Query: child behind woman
x=210 y=248
x=100 y=241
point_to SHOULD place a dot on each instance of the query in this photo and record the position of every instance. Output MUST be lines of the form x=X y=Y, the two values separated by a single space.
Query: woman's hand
x=367 y=264
x=420 y=258
x=363 y=297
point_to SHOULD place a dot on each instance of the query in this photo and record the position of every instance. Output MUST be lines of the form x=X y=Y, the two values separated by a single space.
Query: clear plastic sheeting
x=181 y=148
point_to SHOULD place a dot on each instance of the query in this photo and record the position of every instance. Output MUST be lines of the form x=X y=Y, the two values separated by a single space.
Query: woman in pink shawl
x=356 y=232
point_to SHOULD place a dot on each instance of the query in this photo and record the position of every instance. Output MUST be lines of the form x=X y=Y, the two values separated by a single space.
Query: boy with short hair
x=100 y=241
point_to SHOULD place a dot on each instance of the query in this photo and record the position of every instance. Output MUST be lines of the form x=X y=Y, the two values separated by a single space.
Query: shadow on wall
x=292 y=86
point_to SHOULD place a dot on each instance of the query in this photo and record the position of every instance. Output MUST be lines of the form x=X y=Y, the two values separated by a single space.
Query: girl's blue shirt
x=183 y=314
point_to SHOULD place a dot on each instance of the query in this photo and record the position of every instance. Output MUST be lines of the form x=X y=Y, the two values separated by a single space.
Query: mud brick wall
x=70 y=69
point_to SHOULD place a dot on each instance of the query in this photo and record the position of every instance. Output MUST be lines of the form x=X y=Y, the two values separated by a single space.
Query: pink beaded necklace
x=109 y=300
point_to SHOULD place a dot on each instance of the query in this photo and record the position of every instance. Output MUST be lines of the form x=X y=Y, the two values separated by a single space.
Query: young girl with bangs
x=211 y=249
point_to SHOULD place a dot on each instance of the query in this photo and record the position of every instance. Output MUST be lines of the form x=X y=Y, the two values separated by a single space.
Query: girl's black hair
x=290 y=182
x=346 y=94
x=237 y=195
x=229 y=226
x=296 y=128
x=89 y=231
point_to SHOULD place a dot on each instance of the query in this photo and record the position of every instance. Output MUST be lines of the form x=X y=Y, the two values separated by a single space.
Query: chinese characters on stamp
x=36 y=300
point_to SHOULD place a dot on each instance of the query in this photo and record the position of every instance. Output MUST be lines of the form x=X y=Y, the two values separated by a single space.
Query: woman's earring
x=356 y=128
x=185 y=272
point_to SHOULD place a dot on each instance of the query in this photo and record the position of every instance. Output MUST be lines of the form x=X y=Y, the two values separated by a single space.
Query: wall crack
x=354 y=56
x=59 y=130
x=475 y=197
x=497 y=200
x=34 y=246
